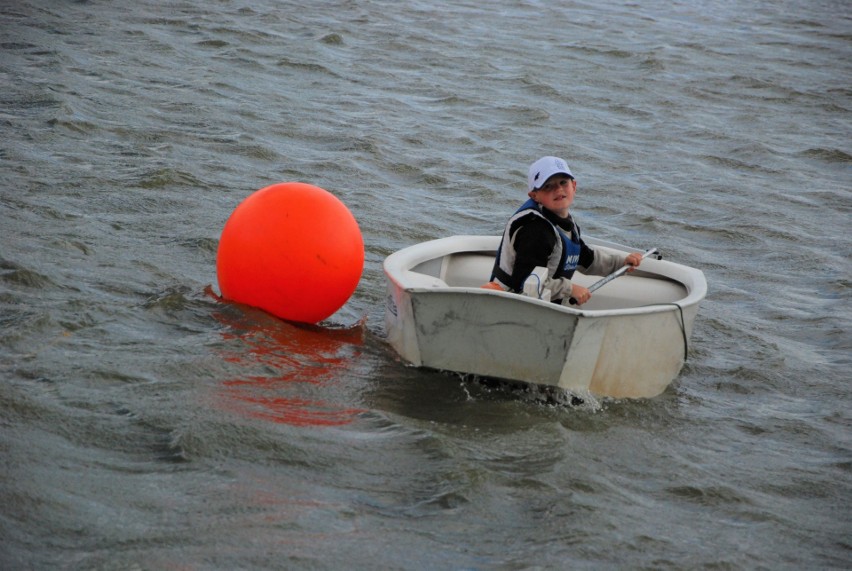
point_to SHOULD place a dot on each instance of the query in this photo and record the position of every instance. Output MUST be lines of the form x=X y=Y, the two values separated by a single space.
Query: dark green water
x=146 y=425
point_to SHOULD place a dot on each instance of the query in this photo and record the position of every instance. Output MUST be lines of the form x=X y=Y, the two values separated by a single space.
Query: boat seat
x=468 y=270
x=416 y=279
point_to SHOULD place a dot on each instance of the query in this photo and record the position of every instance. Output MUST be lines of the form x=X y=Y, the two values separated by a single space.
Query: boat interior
x=473 y=269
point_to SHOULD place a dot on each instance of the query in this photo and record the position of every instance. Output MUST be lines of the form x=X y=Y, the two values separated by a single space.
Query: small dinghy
x=629 y=341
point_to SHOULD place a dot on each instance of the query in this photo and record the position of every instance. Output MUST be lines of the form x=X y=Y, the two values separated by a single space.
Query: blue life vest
x=562 y=261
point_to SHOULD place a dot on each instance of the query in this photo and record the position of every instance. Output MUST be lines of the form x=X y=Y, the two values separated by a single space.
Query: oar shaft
x=620 y=271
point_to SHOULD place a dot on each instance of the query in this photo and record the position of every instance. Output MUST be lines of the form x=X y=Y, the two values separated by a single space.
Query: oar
x=615 y=274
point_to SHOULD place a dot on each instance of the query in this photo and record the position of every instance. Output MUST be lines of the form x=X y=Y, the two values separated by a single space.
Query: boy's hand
x=633 y=260
x=580 y=294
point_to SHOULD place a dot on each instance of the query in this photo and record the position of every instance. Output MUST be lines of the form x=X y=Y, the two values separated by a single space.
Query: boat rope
x=682 y=331
x=682 y=327
x=539 y=288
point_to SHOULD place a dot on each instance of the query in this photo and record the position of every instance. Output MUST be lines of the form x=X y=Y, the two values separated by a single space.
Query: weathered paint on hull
x=630 y=352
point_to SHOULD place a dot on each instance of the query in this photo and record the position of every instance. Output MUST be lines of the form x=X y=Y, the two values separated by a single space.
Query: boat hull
x=632 y=346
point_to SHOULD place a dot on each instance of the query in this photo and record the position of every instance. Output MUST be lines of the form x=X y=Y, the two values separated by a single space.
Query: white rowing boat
x=630 y=340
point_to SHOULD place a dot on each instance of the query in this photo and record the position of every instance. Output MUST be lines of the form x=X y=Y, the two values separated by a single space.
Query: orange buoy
x=292 y=249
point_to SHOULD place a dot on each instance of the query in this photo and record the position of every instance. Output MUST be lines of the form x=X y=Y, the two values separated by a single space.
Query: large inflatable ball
x=291 y=249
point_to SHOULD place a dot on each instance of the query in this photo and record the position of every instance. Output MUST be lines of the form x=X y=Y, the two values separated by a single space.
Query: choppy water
x=145 y=425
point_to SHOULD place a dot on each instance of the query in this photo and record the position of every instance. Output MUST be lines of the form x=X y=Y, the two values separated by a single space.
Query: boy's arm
x=602 y=263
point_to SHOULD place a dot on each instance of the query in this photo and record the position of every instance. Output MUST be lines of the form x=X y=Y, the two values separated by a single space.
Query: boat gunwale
x=403 y=260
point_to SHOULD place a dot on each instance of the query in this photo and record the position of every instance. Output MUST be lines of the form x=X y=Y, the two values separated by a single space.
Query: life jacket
x=562 y=261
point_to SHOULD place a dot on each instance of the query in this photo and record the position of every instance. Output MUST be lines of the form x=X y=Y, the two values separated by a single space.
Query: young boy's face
x=556 y=194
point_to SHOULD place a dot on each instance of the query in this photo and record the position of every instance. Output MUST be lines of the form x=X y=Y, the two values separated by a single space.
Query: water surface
x=146 y=424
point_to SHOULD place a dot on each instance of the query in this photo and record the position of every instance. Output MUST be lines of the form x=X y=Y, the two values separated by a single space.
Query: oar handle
x=615 y=274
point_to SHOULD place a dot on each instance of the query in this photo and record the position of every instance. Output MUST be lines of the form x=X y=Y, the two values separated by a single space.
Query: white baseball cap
x=544 y=168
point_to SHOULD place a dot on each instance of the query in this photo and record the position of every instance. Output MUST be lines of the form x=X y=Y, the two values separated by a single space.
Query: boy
x=543 y=233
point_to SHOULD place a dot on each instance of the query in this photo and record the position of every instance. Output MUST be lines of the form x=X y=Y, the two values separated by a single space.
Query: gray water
x=144 y=424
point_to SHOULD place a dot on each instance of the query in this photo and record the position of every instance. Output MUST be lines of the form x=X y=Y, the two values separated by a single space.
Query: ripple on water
x=13 y=273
